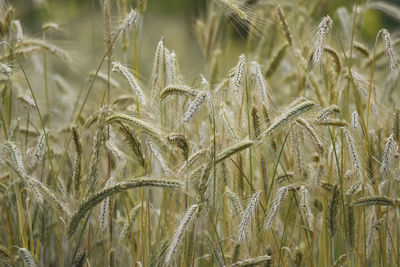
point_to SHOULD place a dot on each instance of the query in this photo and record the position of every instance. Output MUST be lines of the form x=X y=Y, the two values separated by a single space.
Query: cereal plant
x=282 y=151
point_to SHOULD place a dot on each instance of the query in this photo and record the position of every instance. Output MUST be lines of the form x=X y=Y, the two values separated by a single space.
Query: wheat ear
x=287 y=116
x=96 y=198
x=187 y=219
x=247 y=216
x=373 y=200
x=254 y=261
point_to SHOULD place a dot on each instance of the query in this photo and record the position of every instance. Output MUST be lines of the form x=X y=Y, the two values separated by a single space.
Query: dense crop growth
x=289 y=157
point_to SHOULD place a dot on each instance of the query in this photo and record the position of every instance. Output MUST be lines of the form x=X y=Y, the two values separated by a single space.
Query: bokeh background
x=173 y=19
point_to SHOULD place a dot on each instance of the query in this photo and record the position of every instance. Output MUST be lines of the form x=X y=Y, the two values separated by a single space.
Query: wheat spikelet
x=256 y=121
x=353 y=189
x=239 y=75
x=158 y=156
x=180 y=141
x=77 y=167
x=254 y=261
x=133 y=83
x=42 y=191
x=17 y=28
x=50 y=26
x=194 y=106
x=373 y=200
x=4 y=253
x=340 y=261
x=27 y=258
x=392 y=57
x=313 y=134
x=233 y=7
x=133 y=142
x=354 y=121
x=38 y=152
x=96 y=198
x=255 y=71
x=140 y=125
x=362 y=85
x=226 y=121
x=132 y=216
x=284 y=25
x=63 y=55
x=388 y=154
x=157 y=72
x=335 y=56
x=95 y=156
x=355 y=159
x=186 y=221
x=247 y=215
x=296 y=138
x=233 y=150
x=79 y=260
x=4 y=69
x=371 y=231
x=396 y=125
x=305 y=202
x=361 y=48
x=21 y=51
x=14 y=159
x=129 y=21
x=284 y=176
x=124 y=98
x=332 y=122
x=276 y=203
x=171 y=68
x=332 y=210
x=287 y=116
x=332 y=109
x=6 y=19
x=105 y=207
x=5 y=176
x=320 y=38
x=192 y=159
x=176 y=89
x=236 y=203
x=317 y=176
x=27 y=101
x=113 y=149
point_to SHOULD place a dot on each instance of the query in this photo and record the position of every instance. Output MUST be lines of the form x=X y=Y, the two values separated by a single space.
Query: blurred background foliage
x=35 y=11
x=173 y=19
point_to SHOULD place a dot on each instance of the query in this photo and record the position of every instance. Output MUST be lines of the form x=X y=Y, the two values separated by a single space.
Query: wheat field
x=281 y=151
